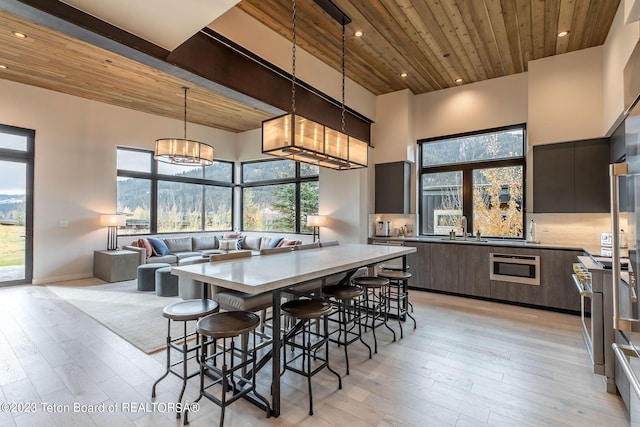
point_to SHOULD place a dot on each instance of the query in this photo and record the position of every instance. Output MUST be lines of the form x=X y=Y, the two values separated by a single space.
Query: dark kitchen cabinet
x=571 y=177
x=393 y=187
x=443 y=267
x=418 y=263
x=473 y=274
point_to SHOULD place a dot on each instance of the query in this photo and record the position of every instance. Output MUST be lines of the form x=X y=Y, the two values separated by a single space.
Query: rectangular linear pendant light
x=295 y=137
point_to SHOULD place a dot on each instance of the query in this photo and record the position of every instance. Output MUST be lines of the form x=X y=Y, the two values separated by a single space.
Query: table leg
x=275 y=357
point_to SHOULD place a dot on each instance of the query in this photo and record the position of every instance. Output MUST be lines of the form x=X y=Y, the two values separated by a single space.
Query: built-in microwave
x=523 y=269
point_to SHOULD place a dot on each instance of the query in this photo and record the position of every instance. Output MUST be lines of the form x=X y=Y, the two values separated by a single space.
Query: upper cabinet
x=571 y=177
x=393 y=187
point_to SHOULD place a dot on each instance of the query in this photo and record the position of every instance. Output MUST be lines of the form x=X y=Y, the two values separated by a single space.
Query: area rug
x=133 y=315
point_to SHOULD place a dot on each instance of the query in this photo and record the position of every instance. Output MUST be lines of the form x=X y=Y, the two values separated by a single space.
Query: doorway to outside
x=16 y=205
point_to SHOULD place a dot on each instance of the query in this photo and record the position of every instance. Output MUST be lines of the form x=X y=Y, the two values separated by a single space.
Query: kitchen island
x=463 y=267
x=278 y=272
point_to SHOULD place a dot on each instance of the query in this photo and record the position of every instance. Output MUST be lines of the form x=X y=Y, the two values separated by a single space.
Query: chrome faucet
x=464 y=227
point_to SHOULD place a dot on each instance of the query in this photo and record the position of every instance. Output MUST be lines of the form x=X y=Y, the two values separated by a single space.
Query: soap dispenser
x=531 y=237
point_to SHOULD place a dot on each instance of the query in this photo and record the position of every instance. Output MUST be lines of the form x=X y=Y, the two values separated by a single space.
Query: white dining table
x=278 y=272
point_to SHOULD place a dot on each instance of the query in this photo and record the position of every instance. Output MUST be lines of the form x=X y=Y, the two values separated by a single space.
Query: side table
x=116 y=265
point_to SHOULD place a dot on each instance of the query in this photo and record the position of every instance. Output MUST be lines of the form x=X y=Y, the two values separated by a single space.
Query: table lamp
x=113 y=221
x=316 y=221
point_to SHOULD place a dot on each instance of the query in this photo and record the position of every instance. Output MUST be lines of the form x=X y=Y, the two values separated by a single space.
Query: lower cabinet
x=443 y=267
x=473 y=274
x=464 y=269
x=418 y=263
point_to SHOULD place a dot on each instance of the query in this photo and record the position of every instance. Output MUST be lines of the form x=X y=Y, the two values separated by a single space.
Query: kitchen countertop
x=483 y=242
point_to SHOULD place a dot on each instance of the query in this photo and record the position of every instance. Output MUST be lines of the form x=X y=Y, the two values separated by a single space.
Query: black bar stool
x=397 y=295
x=184 y=311
x=396 y=267
x=372 y=304
x=306 y=310
x=344 y=296
x=227 y=326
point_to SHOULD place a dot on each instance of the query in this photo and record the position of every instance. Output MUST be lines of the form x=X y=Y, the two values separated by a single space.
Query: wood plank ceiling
x=434 y=41
x=437 y=42
x=52 y=60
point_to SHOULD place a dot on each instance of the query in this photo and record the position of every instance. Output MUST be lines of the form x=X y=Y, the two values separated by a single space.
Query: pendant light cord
x=185 y=111
x=293 y=58
x=343 y=108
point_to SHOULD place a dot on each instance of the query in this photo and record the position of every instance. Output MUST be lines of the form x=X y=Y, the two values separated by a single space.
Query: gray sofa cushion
x=169 y=259
x=212 y=251
x=184 y=255
x=179 y=244
x=202 y=243
x=252 y=243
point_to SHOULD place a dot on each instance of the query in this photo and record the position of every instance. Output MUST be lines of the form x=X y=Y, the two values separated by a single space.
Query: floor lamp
x=316 y=221
x=113 y=221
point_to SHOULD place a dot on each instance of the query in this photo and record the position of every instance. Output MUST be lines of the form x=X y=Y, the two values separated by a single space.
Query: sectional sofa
x=177 y=250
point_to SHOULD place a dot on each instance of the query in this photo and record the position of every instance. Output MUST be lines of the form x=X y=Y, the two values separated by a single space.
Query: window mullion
x=467 y=197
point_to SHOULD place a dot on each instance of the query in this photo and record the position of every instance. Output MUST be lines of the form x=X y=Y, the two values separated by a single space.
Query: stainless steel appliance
x=523 y=269
x=383 y=228
x=625 y=200
x=593 y=281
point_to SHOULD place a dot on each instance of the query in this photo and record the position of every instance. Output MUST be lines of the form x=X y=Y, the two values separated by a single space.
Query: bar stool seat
x=231 y=376
x=373 y=304
x=396 y=267
x=343 y=292
x=228 y=324
x=399 y=296
x=184 y=311
x=306 y=310
x=349 y=316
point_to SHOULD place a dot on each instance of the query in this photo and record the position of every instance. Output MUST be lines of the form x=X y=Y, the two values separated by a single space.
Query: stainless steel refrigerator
x=625 y=211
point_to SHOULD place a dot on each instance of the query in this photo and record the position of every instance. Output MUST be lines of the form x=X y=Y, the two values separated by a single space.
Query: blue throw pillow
x=275 y=241
x=159 y=246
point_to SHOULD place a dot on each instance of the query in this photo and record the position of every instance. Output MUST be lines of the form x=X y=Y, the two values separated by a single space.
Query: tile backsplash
x=399 y=223
x=572 y=229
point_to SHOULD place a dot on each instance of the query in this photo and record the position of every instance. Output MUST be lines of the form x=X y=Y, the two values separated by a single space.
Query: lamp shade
x=113 y=220
x=183 y=152
x=316 y=220
x=294 y=137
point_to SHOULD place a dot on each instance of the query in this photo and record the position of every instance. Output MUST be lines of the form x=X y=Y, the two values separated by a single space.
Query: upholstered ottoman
x=166 y=283
x=147 y=275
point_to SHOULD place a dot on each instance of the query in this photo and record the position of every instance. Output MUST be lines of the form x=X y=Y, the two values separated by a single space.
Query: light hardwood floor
x=469 y=363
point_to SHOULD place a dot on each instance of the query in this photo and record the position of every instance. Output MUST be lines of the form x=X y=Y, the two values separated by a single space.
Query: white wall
x=75 y=169
x=269 y=45
x=487 y=104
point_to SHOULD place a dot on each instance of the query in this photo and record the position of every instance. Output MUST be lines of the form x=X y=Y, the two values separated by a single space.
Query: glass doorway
x=16 y=205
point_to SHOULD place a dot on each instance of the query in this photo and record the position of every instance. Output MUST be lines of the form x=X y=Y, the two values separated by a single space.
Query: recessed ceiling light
x=4 y=67
x=358 y=33
x=403 y=75
x=19 y=35
x=563 y=33
x=459 y=80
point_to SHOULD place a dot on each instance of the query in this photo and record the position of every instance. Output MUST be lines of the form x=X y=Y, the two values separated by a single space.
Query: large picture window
x=478 y=176
x=164 y=198
x=278 y=195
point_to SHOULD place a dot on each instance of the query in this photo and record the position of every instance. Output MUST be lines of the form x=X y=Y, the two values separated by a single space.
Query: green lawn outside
x=11 y=245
